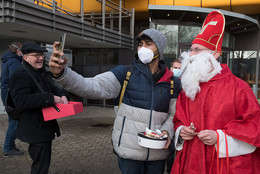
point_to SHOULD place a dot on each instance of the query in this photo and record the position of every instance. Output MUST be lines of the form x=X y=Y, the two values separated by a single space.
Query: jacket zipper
x=151 y=109
x=122 y=129
x=150 y=121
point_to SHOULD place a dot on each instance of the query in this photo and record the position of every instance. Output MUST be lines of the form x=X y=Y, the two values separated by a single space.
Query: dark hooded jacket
x=10 y=63
x=30 y=100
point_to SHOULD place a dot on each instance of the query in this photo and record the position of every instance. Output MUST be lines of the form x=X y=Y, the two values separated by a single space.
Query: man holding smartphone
x=148 y=101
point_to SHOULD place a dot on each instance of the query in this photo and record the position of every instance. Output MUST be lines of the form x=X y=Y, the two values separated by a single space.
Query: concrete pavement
x=83 y=148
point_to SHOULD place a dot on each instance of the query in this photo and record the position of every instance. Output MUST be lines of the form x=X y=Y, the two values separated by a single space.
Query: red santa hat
x=212 y=31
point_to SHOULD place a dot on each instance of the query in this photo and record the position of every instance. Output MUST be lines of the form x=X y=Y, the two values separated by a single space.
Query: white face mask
x=177 y=73
x=146 y=55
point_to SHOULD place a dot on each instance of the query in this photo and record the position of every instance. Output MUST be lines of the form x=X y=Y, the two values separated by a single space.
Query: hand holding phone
x=62 y=43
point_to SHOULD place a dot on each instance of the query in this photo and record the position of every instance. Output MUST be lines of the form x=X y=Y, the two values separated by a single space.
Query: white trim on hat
x=223 y=30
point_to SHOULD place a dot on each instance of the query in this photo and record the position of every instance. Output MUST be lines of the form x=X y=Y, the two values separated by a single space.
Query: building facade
x=101 y=33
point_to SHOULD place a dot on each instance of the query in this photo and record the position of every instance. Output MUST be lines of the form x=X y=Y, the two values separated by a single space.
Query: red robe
x=227 y=103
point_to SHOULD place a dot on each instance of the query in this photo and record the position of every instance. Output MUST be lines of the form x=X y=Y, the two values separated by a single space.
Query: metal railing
x=112 y=16
x=59 y=7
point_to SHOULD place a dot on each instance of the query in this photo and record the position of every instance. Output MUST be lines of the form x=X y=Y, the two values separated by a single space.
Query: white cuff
x=235 y=146
x=178 y=145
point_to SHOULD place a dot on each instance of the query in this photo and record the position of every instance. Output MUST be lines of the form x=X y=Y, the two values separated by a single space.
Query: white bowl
x=153 y=143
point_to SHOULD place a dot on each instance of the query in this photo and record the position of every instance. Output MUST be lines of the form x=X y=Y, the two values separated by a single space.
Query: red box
x=50 y=113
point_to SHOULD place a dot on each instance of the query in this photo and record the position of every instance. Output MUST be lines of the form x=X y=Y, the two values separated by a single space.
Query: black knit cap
x=30 y=47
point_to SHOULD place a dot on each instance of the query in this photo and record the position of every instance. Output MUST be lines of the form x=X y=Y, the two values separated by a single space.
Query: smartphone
x=62 y=43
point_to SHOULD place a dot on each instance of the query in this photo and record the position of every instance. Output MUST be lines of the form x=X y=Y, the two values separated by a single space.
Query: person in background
x=175 y=68
x=29 y=100
x=11 y=61
x=147 y=101
x=217 y=116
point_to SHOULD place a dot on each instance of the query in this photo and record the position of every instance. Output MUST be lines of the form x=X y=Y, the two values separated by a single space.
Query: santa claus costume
x=222 y=103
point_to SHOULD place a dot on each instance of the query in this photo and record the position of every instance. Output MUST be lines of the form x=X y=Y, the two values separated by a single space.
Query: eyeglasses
x=37 y=55
x=197 y=50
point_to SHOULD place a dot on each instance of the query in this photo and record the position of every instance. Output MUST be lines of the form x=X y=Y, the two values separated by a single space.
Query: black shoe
x=13 y=152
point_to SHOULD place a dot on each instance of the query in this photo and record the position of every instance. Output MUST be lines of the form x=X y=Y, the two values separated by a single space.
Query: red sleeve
x=246 y=126
x=181 y=115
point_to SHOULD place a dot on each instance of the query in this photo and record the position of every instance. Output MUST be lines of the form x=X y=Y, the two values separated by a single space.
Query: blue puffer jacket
x=146 y=103
x=10 y=63
x=143 y=91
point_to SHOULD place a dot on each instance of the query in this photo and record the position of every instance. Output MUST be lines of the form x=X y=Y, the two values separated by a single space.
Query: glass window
x=225 y=42
x=244 y=65
x=188 y=33
x=231 y=41
x=171 y=48
x=171 y=33
x=224 y=57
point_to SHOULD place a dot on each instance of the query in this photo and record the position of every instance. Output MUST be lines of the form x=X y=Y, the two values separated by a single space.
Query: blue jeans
x=10 y=135
x=141 y=167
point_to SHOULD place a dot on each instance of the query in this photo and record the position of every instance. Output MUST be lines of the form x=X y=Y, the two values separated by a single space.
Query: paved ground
x=83 y=148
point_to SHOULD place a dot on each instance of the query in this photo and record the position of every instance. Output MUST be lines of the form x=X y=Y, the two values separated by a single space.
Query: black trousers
x=41 y=156
x=169 y=161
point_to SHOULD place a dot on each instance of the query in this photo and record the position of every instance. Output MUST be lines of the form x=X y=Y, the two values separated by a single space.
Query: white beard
x=198 y=68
